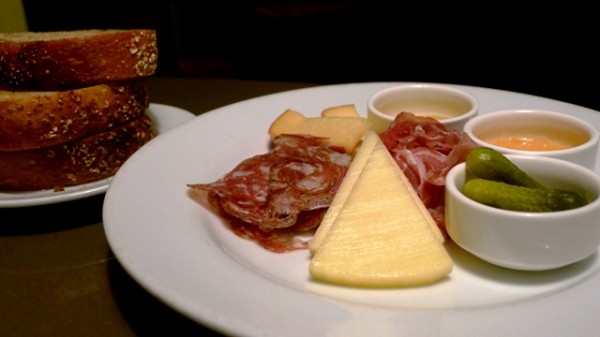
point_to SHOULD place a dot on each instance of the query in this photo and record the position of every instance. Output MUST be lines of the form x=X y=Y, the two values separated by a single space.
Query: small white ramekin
x=527 y=240
x=451 y=106
x=543 y=123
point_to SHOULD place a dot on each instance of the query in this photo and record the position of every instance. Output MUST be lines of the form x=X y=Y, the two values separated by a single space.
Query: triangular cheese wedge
x=381 y=237
x=356 y=167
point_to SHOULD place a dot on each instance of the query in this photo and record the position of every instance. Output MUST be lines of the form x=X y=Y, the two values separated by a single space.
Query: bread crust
x=30 y=120
x=71 y=59
x=80 y=161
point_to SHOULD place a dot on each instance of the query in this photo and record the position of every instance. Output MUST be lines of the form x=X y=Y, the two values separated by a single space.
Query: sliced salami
x=272 y=196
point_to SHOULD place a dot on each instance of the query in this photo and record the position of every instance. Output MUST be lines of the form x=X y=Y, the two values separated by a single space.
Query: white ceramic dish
x=581 y=135
x=184 y=255
x=452 y=106
x=164 y=117
x=527 y=240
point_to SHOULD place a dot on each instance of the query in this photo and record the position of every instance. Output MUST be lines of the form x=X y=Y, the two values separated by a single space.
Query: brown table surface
x=58 y=276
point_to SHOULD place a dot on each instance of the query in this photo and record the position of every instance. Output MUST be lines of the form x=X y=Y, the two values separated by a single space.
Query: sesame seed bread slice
x=80 y=161
x=37 y=119
x=72 y=59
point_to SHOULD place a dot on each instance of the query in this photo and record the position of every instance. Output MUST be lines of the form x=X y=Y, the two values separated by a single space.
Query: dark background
x=547 y=51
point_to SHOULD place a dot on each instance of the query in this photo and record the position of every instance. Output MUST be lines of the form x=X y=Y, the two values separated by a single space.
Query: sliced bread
x=72 y=163
x=72 y=59
x=36 y=119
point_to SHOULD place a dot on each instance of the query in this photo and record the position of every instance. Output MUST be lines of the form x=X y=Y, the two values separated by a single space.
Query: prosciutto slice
x=269 y=198
x=426 y=150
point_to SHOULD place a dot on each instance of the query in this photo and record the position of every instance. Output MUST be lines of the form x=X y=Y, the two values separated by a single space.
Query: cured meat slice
x=305 y=176
x=426 y=150
x=282 y=239
x=285 y=190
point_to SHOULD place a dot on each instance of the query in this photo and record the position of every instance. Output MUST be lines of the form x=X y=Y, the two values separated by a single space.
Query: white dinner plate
x=164 y=118
x=185 y=256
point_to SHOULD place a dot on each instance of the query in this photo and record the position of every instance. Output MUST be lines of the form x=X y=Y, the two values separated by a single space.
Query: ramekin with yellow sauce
x=452 y=105
x=537 y=132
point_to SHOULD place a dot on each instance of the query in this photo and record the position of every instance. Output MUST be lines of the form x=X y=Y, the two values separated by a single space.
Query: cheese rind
x=381 y=237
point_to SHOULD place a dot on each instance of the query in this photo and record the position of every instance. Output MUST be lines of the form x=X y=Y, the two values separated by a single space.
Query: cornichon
x=520 y=198
x=487 y=163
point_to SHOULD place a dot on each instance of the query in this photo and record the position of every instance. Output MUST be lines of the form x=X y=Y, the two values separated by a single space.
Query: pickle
x=487 y=163
x=520 y=198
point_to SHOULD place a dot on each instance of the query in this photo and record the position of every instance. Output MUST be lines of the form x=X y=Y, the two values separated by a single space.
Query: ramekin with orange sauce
x=537 y=132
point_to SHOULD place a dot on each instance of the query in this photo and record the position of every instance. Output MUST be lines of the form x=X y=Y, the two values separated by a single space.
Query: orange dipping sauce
x=538 y=143
x=534 y=138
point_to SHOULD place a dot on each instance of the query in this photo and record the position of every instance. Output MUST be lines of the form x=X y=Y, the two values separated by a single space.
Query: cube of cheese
x=346 y=132
x=347 y=110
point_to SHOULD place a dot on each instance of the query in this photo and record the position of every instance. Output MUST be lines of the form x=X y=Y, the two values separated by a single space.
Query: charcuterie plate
x=164 y=118
x=186 y=256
